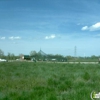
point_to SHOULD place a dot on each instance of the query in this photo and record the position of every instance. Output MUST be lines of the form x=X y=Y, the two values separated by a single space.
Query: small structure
x=26 y=57
x=54 y=60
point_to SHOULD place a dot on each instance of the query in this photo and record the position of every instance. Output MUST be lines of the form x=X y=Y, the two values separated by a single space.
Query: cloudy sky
x=55 y=26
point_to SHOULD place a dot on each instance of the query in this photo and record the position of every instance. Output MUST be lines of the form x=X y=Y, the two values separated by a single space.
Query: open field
x=83 y=62
x=48 y=81
x=70 y=62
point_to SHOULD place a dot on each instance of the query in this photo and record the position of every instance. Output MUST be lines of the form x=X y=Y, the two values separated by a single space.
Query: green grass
x=48 y=81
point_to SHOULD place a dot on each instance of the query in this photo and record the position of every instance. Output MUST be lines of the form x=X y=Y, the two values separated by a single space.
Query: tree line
x=39 y=56
x=9 y=56
x=33 y=54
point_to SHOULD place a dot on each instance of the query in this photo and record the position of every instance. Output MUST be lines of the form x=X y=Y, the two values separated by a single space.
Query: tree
x=94 y=57
x=1 y=53
x=12 y=56
x=33 y=53
x=8 y=56
x=69 y=57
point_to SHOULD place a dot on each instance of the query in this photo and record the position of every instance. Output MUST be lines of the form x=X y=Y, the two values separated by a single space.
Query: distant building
x=41 y=56
x=25 y=57
x=42 y=53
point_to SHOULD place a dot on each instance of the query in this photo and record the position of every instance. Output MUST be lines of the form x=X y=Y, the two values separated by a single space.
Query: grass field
x=48 y=81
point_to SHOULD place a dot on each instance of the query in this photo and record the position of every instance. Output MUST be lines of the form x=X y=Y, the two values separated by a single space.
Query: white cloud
x=46 y=37
x=50 y=37
x=3 y=38
x=85 y=28
x=14 y=38
x=11 y=38
x=17 y=38
x=94 y=27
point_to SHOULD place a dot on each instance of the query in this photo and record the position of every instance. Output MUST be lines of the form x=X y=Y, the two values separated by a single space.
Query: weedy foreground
x=48 y=81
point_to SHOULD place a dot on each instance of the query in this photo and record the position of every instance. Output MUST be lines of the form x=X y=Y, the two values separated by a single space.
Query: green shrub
x=86 y=76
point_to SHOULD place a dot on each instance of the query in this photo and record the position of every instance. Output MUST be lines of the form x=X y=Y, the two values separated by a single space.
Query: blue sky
x=55 y=26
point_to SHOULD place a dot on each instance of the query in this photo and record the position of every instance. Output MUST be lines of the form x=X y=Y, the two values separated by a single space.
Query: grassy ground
x=48 y=81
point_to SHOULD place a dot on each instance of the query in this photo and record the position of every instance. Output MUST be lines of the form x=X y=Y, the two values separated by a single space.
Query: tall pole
x=75 y=52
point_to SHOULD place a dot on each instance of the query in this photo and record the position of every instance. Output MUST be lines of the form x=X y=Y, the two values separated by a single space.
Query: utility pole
x=75 y=52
